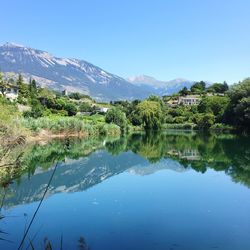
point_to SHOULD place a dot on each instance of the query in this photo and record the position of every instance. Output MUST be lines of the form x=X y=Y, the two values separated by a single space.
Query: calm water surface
x=157 y=191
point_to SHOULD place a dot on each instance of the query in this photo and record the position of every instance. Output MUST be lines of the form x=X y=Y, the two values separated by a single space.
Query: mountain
x=161 y=87
x=64 y=73
x=77 y=75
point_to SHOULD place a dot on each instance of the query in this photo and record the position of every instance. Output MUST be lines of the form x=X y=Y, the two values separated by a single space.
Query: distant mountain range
x=161 y=87
x=77 y=75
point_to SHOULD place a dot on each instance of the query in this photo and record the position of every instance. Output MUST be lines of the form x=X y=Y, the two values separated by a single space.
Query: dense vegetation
x=219 y=107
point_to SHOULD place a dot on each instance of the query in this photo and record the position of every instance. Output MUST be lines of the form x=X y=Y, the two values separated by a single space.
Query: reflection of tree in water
x=229 y=153
x=32 y=156
x=199 y=150
x=150 y=145
x=115 y=147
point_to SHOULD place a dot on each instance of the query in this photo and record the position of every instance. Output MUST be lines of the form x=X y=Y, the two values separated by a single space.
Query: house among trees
x=9 y=91
x=102 y=109
x=184 y=100
x=189 y=100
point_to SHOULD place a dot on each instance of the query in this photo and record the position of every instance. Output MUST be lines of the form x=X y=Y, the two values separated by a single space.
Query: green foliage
x=78 y=96
x=23 y=93
x=2 y=85
x=19 y=81
x=184 y=126
x=37 y=110
x=230 y=107
x=222 y=127
x=184 y=91
x=198 y=87
x=218 y=88
x=68 y=125
x=57 y=124
x=9 y=120
x=151 y=114
x=135 y=118
x=205 y=121
x=57 y=105
x=85 y=107
x=70 y=108
x=33 y=89
x=117 y=117
x=238 y=112
x=215 y=105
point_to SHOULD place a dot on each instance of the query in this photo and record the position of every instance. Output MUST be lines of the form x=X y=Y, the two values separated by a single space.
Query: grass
x=93 y=125
x=10 y=125
x=184 y=126
x=222 y=127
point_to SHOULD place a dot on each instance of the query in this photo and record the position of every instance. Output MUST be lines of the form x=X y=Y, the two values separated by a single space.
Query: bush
x=205 y=121
x=117 y=117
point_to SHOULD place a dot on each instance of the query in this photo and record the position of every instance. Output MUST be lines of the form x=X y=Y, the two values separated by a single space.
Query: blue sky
x=193 y=39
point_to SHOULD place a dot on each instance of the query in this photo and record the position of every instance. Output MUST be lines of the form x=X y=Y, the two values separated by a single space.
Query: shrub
x=117 y=117
x=205 y=121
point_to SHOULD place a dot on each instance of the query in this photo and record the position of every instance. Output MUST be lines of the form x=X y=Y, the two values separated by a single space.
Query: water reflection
x=199 y=151
x=83 y=164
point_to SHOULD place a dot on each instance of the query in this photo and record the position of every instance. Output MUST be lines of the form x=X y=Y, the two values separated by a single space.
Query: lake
x=171 y=190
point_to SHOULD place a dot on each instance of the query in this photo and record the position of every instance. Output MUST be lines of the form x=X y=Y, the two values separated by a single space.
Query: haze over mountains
x=77 y=75
x=163 y=87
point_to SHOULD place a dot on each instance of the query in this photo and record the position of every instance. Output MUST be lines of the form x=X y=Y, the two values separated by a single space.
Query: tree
x=76 y=96
x=85 y=107
x=2 y=85
x=238 y=112
x=215 y=105
x=205 y=121
x=151 y=114
x=19 y=81
x=198 y=87
x=33 y=88
x=218 y=88
x=71 y=108
x=23 y=93
x=117 y=117
x=184 y=91
x=36 y=111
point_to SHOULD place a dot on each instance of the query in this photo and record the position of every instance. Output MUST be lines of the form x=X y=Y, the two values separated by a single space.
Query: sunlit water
x=164 y=191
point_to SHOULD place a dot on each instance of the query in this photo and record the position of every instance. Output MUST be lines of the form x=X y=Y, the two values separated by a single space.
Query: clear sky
x=193 y=39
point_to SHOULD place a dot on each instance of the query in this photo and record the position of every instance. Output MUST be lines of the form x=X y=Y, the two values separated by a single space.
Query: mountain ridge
x=168 y=85
x=76 y=75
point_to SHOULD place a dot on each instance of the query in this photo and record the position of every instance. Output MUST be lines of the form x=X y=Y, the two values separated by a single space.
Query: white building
x=103 y=109
x=189 y=100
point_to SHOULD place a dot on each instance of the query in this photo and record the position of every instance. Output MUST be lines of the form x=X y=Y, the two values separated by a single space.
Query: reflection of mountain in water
x=81 y=174
x=164 y=164
x=138 y=154
x=73 y=176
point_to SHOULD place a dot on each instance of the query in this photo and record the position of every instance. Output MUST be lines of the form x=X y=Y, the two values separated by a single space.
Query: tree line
x=220 y=106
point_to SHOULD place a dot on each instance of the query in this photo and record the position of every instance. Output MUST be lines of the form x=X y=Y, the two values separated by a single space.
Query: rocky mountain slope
x=64 y=73
x=77 y=75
